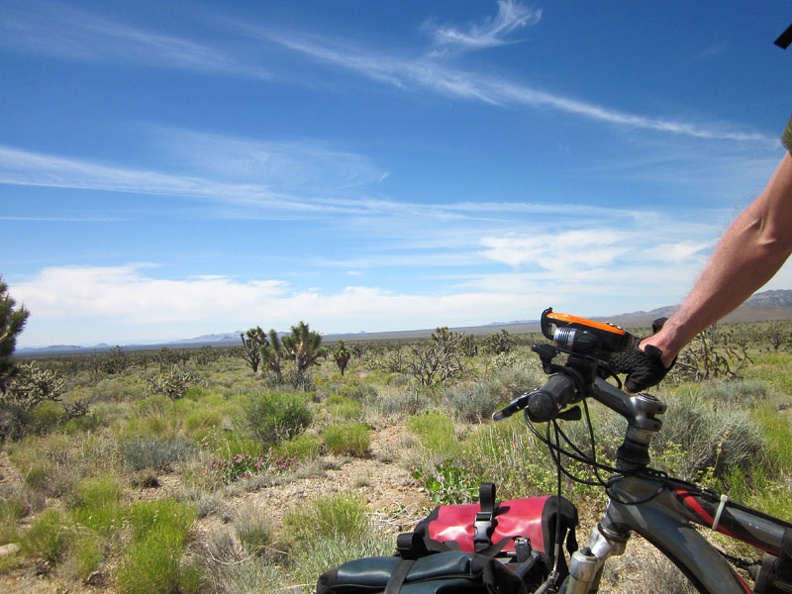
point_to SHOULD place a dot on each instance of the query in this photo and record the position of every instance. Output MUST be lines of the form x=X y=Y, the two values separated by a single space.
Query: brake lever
x=514 y=406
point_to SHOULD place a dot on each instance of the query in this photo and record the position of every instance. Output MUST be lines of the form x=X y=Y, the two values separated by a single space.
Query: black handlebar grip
x=545 y=403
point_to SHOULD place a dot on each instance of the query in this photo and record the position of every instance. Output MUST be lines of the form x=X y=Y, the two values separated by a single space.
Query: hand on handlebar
x=644 y=366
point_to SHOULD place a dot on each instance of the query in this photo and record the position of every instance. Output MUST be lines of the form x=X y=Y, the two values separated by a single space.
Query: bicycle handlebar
x=545 y=403
x=542 y=404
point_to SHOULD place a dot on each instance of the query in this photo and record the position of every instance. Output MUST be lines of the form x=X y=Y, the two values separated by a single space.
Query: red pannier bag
x=519 y=531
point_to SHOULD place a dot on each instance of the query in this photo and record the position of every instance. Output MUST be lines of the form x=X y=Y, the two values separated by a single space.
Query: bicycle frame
x=666 y=511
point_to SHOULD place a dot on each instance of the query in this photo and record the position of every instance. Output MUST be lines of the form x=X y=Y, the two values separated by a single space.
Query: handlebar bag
x=448 y=572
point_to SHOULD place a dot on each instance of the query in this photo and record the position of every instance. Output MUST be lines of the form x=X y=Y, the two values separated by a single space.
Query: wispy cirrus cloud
x=272 y=190
x=494 y=31
x=427 y=74
x=64 y=32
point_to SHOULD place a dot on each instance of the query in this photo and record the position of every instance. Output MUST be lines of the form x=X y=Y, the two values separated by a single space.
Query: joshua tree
x=342 y=355
x=303 y=347
x=272 y=352
x=252 y=341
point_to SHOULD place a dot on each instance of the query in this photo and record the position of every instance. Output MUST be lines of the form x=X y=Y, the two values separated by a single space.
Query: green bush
x=151 y=561
x=340 y=516
x=507 y=454
x=45 y=416
x=328 y=531
x=202 y=419
x=85 y=555
x=99 y=504
x=276 y=416
x=340 y=407
x=347 y=439
x=303 y=447
x=436 y=434
x=775 y=429
x=47 y=537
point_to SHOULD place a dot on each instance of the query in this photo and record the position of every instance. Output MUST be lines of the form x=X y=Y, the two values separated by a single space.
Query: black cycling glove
x=645 y=368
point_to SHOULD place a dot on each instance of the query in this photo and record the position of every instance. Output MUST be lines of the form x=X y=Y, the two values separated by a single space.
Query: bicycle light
x=573 y=334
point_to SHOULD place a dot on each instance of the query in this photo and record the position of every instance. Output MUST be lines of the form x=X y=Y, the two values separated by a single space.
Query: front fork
x=585 y=568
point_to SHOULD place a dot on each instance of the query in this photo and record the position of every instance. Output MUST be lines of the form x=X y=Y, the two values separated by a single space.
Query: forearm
x=751 y=251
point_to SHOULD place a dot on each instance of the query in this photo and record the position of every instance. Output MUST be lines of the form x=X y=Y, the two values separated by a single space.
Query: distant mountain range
x=761 y=307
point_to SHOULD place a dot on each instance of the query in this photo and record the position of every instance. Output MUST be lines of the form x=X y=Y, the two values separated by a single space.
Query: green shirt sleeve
x=786 y=137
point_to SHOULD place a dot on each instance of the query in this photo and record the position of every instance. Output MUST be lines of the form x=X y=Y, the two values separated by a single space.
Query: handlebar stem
x=641 y=411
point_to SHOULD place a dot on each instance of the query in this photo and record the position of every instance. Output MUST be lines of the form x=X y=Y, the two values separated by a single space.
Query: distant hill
x=761 y=307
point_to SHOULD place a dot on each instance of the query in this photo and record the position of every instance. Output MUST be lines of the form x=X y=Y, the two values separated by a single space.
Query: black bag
x=448 y=572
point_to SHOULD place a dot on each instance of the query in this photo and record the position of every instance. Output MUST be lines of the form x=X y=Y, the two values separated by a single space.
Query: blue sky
x=174 y=169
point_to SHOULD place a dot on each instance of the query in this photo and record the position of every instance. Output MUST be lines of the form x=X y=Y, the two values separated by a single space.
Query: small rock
x=9 y=549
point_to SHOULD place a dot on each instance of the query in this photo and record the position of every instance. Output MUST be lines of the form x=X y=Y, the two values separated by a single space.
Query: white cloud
x=267 y=189
x=68 y=33
x=562 y=250
x=429 y=74
x=65 y=32
x=511 y=17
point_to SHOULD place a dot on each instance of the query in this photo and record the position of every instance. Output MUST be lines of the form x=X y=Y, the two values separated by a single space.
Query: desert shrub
x=98 y=504
x=275 y=416
x=329 y=531
x=128 y=388
x=192 y=577
x=737 y=392
x=17 y=501
x=347 y=438
x=47 y=537
x=304 y=447
x=155 y=405
x=327 y=552
x=202 y=419
x=339 y=516
x=776 y=456
x=436 y=434
x=714 y=438
x=155 y=453
x=254 y=529
x=340 y=407
x=474 y=401
x=151 y=561
x=359 y=391
x=45 y=416
x=49 y=464
x=85 y=555
x=507 y=454
x=394 y=402
x=229 y=568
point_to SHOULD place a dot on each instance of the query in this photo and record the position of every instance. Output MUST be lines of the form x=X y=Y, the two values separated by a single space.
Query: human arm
x=751 y=251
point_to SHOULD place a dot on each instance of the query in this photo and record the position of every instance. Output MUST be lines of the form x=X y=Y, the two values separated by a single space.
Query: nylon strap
x=484 y=524
x=398 y=576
